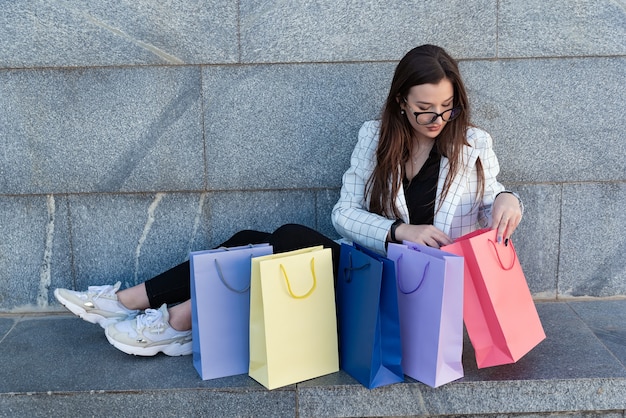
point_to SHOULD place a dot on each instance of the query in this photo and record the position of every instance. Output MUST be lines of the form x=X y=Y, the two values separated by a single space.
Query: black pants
x=173 y=286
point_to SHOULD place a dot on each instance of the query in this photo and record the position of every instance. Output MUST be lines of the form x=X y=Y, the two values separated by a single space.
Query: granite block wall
x=133 y=132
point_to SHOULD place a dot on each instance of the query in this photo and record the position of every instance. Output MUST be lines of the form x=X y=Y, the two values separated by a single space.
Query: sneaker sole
x=80 y=312
x=170 y=349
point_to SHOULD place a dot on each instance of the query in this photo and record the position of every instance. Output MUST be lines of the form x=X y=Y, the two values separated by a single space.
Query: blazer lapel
x=401 y=205
x=445 y=210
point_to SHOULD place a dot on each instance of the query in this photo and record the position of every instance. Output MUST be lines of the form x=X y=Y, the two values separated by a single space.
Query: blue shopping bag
x=430 y=300
x=370 y=349
x=220 y=314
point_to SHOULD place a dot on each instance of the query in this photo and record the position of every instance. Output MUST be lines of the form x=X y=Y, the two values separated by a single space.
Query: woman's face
x=435 y=98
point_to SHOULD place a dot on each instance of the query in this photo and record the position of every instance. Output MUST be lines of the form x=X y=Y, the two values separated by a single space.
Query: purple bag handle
x=420 y=282
x=220 y=274
x=500 y=259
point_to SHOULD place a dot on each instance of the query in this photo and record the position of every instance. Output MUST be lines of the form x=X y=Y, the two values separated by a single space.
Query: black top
x=421 y=191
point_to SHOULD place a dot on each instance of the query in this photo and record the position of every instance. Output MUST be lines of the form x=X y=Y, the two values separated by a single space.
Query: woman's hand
x=506 y=214
x=422 y=234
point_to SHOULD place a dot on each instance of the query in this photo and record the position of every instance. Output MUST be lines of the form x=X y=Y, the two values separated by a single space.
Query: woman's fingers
x=506 y=215
x=425 y=235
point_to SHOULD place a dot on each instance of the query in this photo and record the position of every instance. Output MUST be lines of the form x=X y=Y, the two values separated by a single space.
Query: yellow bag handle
x=307 y=294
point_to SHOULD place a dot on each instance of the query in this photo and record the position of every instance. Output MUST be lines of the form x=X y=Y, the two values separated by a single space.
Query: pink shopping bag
x=499 y=312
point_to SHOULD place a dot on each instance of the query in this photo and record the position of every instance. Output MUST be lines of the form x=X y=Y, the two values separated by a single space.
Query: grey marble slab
x=133 y=237
x=65 y=354
x=570 y=351
x=561 y=28
x=536 y=239
x=548 y=127
x=232 y=211
x=571 y=362
x=60 y=363
x=591 y=260
x=326 y=200
x=116 y=129
x=70 y=33
x=34 y=251
x=362 y=31
x=607 y=320
x=5 y=325
x=287 y=126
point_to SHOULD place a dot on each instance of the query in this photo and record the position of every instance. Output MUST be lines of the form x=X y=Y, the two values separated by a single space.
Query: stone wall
x=135 y=131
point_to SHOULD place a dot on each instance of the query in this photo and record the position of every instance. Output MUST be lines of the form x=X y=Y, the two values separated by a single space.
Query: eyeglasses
x=426 y=118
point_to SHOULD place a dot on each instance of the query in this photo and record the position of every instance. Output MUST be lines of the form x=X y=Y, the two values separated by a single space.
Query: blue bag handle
x=347 y=271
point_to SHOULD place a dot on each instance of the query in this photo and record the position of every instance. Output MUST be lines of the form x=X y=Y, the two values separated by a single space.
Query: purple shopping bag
x=220 y=309
x=430 y=302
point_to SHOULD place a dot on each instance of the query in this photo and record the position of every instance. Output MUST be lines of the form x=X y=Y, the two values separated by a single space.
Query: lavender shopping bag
x=220 y=314
x=430 y=301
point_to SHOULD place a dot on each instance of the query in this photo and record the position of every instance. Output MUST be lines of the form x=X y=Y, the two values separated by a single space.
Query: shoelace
x=150 y=318
x=96 y=291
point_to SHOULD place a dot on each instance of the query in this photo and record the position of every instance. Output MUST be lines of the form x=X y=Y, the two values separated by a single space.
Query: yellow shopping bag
x=293 y=325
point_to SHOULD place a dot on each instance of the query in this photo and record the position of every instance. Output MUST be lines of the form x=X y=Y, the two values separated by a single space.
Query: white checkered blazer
x=457 y=215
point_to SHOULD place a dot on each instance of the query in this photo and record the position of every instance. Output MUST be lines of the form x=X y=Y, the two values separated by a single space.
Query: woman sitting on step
x=421 y=173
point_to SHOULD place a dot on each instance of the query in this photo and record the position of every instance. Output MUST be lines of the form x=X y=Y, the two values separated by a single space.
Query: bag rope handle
x=307 y=294
x=420 y=282
x=350 y=269
x=220 y=274
x=500 y=259
x=230 y=248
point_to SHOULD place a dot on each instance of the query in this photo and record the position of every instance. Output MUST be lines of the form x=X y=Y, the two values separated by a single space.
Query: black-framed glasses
x=426 y=118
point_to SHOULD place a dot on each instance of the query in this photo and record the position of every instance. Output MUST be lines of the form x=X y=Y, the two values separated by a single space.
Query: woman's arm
x=350 y=216
x=504 y=208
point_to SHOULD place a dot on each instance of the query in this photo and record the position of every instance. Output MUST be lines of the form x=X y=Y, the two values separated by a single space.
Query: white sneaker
x=98 y=305
x=149 y=334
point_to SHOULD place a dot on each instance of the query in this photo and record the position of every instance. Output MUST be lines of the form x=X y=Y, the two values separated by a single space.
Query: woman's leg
x=134 y=297
x=180 y=316
x=293 y=237
x=286 y=238
x=173 y=285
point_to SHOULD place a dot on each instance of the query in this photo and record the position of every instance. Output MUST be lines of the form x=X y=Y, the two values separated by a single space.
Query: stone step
x=59 y=365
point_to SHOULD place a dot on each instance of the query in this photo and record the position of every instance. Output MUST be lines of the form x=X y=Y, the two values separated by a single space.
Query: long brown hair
x=426 y=64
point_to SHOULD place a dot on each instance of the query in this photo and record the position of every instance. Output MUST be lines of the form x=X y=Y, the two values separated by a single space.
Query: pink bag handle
x=495 y=247
x=420 y=282
x=307 y=294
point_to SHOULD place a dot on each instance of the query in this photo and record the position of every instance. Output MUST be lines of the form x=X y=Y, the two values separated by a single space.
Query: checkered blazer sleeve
x=350 y=216
x=491 y=168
